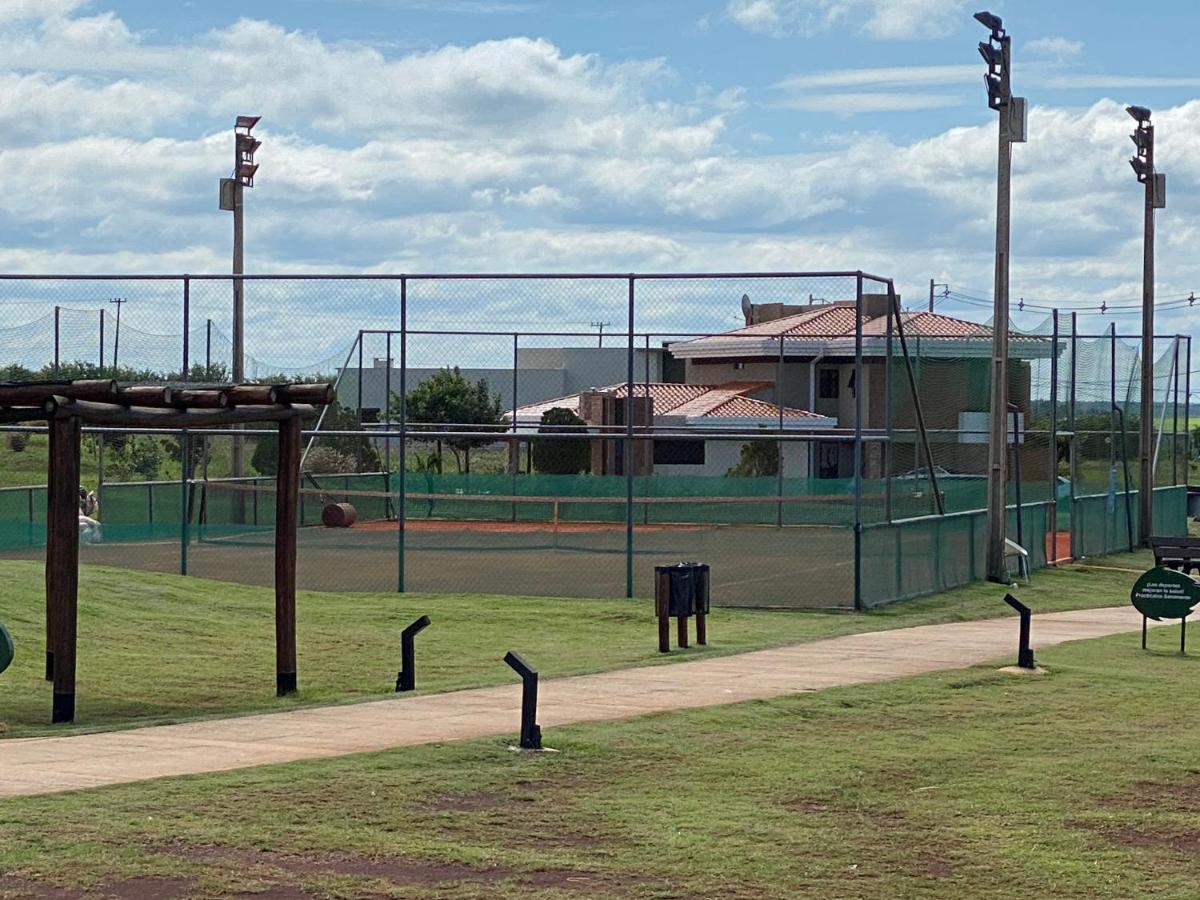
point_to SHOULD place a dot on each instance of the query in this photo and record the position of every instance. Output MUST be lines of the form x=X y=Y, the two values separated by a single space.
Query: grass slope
x=1084 y=783
x=156 y=648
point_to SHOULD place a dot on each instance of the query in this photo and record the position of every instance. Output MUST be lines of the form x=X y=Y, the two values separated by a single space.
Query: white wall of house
x=721 y=456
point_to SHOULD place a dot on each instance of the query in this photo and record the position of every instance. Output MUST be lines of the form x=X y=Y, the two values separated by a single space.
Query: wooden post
x=62 y=564
x=662 y=587
x=287 y=494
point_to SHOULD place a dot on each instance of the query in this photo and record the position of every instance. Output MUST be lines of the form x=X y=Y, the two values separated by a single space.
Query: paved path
x=49 y=765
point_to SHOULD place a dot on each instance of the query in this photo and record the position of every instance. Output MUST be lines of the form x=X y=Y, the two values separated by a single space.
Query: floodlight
x=1141 y=167
x=1139 y=112
x=993 y=56
x=245 y=173
x=997 y=94
x=1141 y=140
x=247 y=122
x=247 y=145
x=987 y=20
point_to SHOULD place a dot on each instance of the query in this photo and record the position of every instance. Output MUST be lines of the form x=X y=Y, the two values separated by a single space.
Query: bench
x=1182 y=553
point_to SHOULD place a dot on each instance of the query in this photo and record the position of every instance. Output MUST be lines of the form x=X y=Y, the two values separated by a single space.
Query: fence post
x=402 y=512
x=187 y=327
x=629 y=448
x=1187 y=412
x=888 y=458
x=1073 y=460
x=101 y=341
x=208 y=350
x=359 y=417
x=514 y=449
x=779 y=443
x=1053 y=477
x=57 y=311
x=185 y=455
x=858 y=454
x=1175 y=419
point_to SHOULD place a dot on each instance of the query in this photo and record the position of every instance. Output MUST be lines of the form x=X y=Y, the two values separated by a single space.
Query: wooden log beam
x=62 y=563
x=252 y=394
x=144 y=417
x=287 y=497
x=189 y=398
x=316 y=394
x=34 y=393
x=138 y=395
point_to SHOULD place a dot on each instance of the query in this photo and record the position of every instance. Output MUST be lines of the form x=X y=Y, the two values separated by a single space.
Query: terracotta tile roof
x=926 y=324
x=729 y=400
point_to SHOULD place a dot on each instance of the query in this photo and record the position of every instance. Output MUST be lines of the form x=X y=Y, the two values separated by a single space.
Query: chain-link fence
x=813 y=442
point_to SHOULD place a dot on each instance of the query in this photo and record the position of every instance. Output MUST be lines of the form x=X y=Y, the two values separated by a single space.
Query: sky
x=544 y=135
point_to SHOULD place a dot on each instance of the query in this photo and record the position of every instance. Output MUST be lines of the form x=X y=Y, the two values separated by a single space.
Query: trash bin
x=681 y=591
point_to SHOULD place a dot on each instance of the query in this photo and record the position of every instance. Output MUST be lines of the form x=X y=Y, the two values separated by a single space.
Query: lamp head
x=989 y=21
x=1140 y=113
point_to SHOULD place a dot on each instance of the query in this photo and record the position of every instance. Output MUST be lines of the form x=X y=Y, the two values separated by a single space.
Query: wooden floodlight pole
x=62 y=563
x=287 y=496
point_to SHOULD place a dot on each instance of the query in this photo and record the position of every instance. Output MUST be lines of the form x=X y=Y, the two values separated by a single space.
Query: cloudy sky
x=666 y=135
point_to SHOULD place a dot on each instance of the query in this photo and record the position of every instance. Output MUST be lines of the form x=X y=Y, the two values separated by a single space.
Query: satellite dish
x=747 y=307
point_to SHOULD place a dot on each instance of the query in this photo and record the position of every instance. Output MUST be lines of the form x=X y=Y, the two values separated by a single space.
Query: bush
x=18 y=441
x=327 y=460
x=758 y=459
x=561 y=456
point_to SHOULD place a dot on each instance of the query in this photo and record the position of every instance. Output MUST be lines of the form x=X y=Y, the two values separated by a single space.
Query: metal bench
x=1182 y=553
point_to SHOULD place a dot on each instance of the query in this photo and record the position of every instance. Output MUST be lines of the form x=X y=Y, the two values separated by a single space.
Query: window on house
x=827 y=384
x=679 y=453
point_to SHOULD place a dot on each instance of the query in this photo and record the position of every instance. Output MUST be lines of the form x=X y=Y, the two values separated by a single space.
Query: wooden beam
x=62 y=563
x=139 y=395
x=33 y=394
x=287 y=498
x=316 y=394
x=144 y=417
x=185 y=398
x=253 y=394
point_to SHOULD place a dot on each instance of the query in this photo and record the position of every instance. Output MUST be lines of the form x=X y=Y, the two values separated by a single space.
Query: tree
x=561 y=456
x=758 y=459
x=447 y=402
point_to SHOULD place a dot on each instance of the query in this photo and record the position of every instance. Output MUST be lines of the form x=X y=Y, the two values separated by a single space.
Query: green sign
x=1165 y=594
x=6 y=649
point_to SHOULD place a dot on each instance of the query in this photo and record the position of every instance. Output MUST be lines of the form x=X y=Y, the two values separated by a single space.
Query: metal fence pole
x=359 y=413
x=779 y=443
x=57 y=333
x=888 y=458
x=187 y=327
x=858 y=454
x=387 y=413
x=101 y=342
x=402 y=513
x=1073 y=460
x=649 y=409
x=1175 y=418
x=1187 y=413
x=208 y=350
x=185 y=453
x=1053 y=474
x=629 y=448
x=514 y=449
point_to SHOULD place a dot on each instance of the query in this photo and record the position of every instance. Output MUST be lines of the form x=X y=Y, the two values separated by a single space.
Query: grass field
x=1082 y=783
x=157 y=647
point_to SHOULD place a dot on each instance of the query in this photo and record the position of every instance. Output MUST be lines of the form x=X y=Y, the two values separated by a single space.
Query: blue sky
x=505 y=135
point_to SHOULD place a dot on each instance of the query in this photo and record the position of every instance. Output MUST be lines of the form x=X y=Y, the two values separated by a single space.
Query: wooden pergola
x=67 y=406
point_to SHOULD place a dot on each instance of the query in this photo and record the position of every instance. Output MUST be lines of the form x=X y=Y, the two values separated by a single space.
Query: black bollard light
x=1024 y=651
x=406 y=680
x=531 y=732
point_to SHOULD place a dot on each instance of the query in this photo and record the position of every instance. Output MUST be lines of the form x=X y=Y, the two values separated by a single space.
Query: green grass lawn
x=1079 y=784
x=155 y=648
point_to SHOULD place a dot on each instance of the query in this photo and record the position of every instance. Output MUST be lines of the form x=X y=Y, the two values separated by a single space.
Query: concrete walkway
x=49 y=765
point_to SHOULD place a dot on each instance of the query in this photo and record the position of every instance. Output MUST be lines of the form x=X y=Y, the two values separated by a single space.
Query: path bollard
x=531 y=732
x=1024 y=651
x=406 y=680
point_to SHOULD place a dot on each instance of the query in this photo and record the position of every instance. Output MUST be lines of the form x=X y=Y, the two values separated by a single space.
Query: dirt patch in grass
x=26 y=889
x=1178 y=797
x=1180 y=840
x=477 y=802
x=148 y=887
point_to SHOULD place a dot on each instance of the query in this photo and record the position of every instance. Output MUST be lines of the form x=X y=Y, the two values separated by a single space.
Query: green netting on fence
x=934 y=553
x=1108 y=523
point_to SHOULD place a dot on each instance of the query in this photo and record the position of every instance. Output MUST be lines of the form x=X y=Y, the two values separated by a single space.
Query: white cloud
x=18 y=10
x=1058 y=49
x=850 y=103
x=882 y=19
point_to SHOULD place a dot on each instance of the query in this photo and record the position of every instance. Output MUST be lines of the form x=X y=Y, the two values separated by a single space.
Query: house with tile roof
x=736 y=406
x=807 y=356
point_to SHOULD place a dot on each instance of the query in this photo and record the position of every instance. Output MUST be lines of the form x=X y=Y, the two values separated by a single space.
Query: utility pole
x=601 y=326
x=119 y=302
x=932 y=286
x=997 y=53
x=232 y=194
x=1156 y=198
